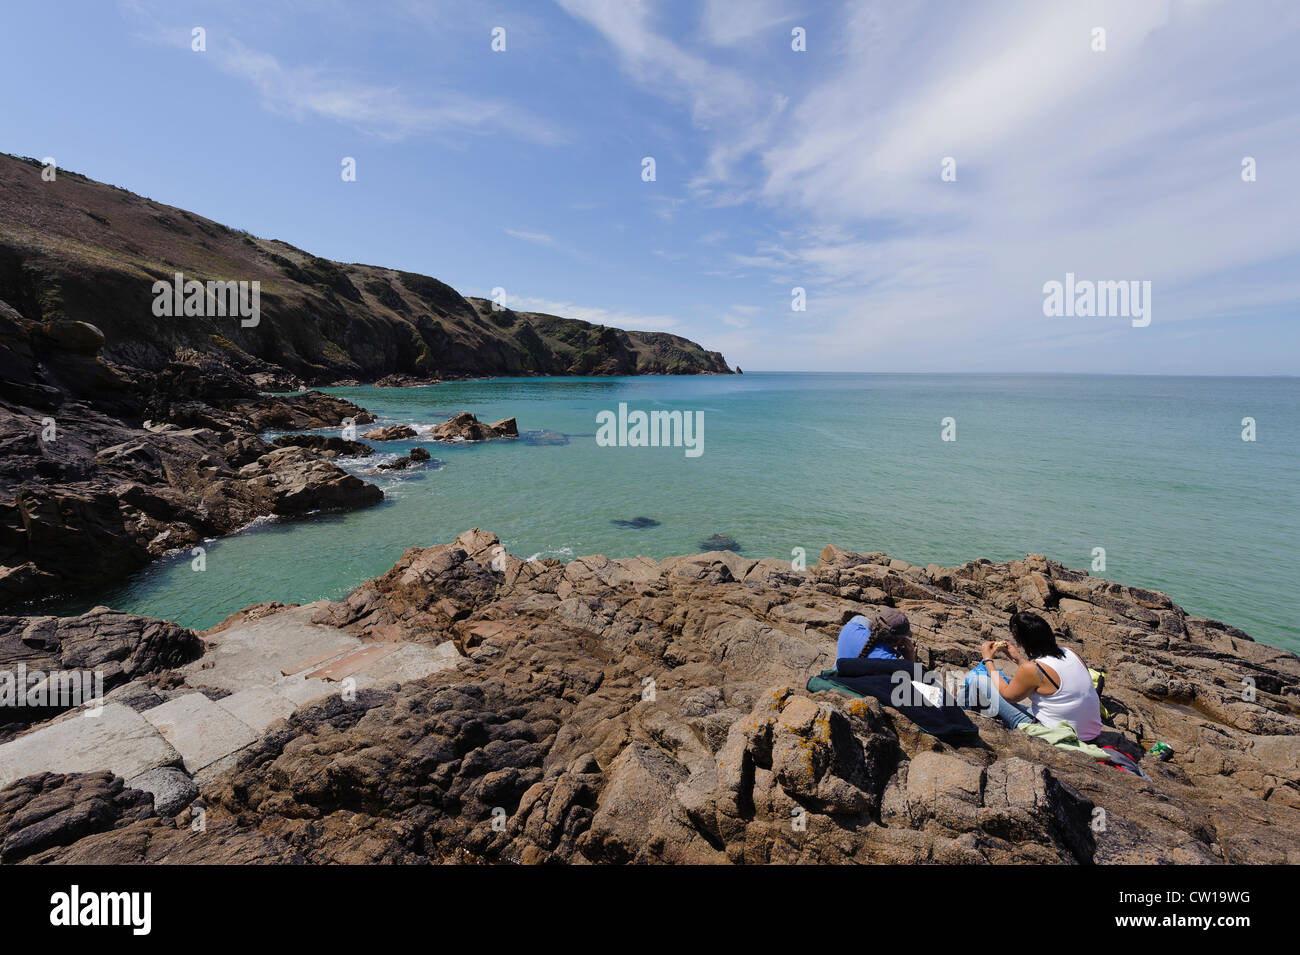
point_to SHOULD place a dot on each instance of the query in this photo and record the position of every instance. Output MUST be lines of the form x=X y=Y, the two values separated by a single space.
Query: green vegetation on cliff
x=77 y=249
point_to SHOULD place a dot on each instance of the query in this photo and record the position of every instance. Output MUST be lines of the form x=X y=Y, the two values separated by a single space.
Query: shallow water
x=1153 y=469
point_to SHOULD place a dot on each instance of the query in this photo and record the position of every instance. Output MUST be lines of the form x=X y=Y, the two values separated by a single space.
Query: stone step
x=199 y=729
x=119 y=739
x=267 y=668
x=259 y=706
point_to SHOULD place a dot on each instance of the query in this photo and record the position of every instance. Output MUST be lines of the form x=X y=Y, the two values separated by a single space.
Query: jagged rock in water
x=417 y=456
x=466 y=427
x=396 y=432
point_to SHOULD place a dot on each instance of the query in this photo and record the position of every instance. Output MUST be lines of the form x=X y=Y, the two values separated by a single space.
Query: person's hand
x=1014 y=654
x=987 y=650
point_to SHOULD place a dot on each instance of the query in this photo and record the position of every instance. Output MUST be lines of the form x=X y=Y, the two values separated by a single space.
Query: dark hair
x=870 y=645
x=1034 y=634
x=881 y=633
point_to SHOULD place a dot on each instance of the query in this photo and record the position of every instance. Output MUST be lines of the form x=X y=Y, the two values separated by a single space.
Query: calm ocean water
x=1154 y=470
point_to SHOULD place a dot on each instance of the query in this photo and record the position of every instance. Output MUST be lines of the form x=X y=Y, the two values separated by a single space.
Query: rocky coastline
x=469 y=706
x=125 y=435
x=607 y=711
x=104 y=468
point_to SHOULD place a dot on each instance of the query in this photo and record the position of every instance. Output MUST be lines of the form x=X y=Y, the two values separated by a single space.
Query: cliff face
x=79 y=250
x=656 y=711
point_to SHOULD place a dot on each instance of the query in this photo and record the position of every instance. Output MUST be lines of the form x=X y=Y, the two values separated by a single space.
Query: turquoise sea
x=1152 y=469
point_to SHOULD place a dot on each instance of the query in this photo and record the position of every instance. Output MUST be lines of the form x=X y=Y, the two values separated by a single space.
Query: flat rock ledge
x=655 y=711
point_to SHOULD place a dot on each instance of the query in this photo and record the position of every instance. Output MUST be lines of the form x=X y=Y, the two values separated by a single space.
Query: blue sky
x=774 y=168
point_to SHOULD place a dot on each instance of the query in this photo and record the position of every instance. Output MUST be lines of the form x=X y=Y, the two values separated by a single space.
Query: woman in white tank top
x=1052 y=681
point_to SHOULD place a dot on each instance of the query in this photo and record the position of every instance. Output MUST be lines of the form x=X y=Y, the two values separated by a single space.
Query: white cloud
x=713 y=92
x=540 y=238
x=727 y=22
x=385 y=111
x=597 y=316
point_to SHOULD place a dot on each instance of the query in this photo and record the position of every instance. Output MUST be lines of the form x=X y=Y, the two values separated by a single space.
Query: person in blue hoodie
x=887 y=637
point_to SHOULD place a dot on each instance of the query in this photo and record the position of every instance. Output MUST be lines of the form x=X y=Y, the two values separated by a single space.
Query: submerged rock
x=636 y=523
x=545 y=438
x=405 y=381
x=719 y=542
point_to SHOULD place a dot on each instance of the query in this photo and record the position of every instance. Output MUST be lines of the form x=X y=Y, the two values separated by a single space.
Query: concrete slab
x=254 y=654
x=302 y=691
x=410 y=661
x=119 y=739
x=200 y=730
x=258 y=707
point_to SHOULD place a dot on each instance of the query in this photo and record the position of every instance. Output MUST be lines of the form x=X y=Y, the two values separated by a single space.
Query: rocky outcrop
x=95 y=819
x=124 y=435
x=326 y=445
x=655 y=711
x=466 y=427
x=396 y=432
x=418 y=455
x=54 y=810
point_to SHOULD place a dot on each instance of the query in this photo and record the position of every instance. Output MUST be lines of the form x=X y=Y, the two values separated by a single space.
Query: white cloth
x=1076 y=702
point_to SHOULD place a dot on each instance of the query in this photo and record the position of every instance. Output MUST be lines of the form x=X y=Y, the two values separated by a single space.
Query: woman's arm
x=1025 y=682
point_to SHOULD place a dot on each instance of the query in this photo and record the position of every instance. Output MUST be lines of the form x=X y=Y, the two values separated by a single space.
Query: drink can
x=1161 y=751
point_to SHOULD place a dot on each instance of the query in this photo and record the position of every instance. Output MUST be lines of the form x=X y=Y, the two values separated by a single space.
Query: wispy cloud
x=330 y=91
x=713 y=92
x=388 y=112
x=539 y=238
x=727 y=22
x=597 y=316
